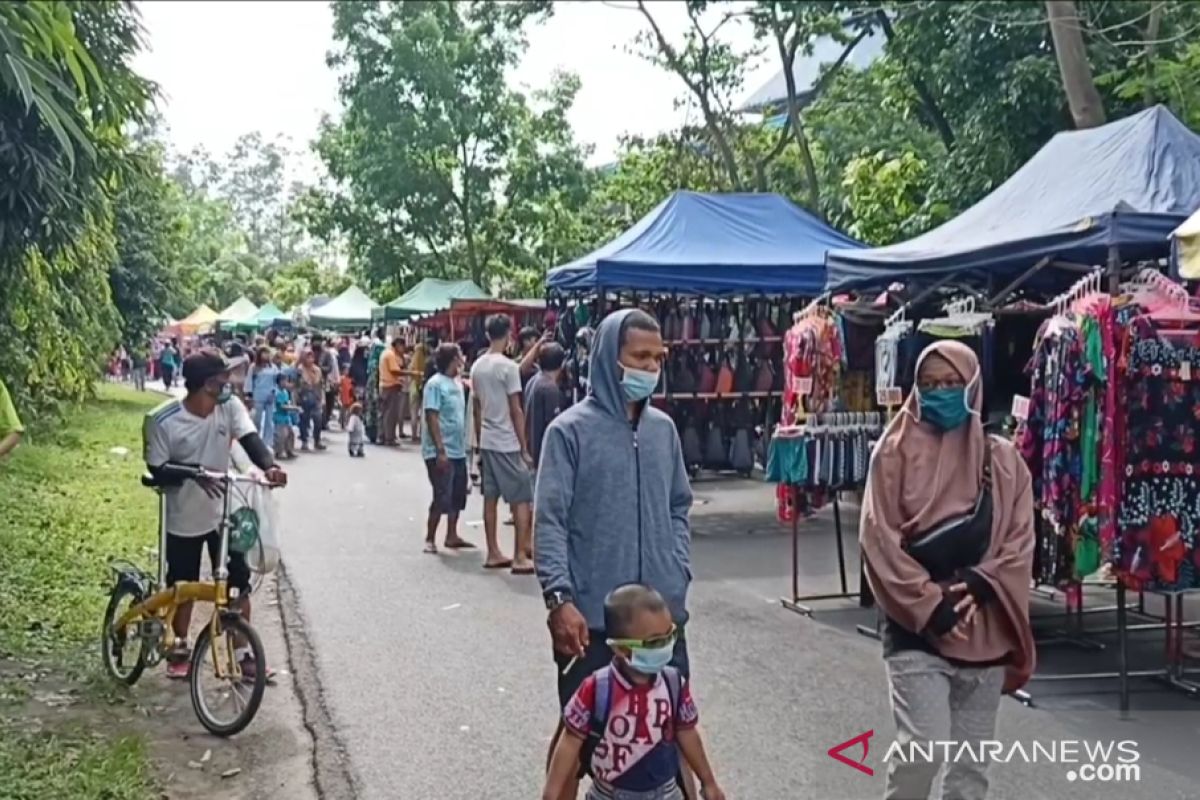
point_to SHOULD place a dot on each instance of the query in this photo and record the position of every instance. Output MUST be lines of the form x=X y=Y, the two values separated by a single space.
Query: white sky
x=227 y=68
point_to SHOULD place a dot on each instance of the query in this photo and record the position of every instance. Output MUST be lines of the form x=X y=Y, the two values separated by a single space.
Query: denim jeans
x=310 y=420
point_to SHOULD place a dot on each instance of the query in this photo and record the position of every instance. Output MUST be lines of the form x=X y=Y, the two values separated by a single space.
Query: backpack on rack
x=716 y=455
x=602 y=707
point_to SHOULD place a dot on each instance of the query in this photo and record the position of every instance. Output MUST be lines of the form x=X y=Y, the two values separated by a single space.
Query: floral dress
x=1159 y=512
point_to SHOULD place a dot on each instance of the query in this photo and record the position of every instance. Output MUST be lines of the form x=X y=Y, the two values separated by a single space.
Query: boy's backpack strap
x=601 y=707
x=602 y=704
x=674 y=688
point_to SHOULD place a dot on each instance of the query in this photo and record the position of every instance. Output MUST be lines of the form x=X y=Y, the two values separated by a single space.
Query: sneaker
x=320 y=446
x=179 y=670
x=250 y=670
x=304 y=447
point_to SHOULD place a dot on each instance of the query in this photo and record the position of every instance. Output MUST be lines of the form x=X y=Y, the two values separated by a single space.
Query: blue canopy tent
x=1120 y=188
x=710 y=244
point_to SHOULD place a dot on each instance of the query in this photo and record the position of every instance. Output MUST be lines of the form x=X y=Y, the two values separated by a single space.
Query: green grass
x=73 y=765
x=67 y=506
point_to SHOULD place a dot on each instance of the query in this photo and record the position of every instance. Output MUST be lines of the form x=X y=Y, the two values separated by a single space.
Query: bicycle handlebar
x=172 y=470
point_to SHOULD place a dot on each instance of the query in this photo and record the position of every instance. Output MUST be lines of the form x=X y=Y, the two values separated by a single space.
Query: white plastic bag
x=255 y=522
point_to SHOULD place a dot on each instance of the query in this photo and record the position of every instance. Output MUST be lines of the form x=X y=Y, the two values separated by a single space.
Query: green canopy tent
x=350 y=310
x=265 y=318
x=239 y=310
x=427 y=297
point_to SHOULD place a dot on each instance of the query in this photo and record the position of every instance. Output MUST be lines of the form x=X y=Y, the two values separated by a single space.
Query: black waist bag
x=961 y=542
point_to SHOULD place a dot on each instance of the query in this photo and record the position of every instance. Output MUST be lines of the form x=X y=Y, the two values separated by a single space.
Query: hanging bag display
x=725 y=377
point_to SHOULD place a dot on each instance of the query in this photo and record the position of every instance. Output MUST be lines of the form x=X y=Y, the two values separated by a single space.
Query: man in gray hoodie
x=612 y=501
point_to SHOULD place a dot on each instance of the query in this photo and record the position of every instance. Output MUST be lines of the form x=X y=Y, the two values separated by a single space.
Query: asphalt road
x=439 y=681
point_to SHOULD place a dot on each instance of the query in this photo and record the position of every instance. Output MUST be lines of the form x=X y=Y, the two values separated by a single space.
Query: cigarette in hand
x=570 y=665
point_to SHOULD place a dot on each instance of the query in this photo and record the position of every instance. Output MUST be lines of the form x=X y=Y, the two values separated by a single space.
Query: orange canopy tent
x=199 y=321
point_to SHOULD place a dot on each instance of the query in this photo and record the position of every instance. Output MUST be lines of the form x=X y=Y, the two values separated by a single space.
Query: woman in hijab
x=955 y=639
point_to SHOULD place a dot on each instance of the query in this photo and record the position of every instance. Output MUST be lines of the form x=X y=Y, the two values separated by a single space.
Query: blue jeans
x=263 y=417
x=310 y=420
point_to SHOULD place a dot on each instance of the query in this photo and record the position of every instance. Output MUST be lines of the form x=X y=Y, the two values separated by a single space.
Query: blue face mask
x=638 y=383
x=225 y=393
x=945 y=408
x=650 y=661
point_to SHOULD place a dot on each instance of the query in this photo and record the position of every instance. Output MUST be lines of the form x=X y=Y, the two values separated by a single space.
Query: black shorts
x=599 y=654
x=183 y=560
x=449 y=486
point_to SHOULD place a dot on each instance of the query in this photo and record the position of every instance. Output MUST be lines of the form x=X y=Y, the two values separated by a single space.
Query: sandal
x=505 y=564
x=431 y=548
x=530 y=570
x=458 y=544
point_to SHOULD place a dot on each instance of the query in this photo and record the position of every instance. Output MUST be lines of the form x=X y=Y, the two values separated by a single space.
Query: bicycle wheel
x=226 y=705
x=123 y=651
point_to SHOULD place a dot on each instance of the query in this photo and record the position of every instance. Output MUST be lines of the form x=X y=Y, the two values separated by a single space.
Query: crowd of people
x=615 y=575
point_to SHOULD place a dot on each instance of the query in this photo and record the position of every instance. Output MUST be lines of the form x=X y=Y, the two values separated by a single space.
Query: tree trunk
x=1152 y=29
x=932 y=112
x=1066 y=27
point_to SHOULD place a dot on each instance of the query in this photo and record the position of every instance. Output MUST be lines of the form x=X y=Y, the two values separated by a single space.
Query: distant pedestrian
x=286 y=417
x=393 y=393
x=168 y=361
x=357 y=431
x=444 y=448
x=259 y=391
x=138 y=361
x=544 y=397
x=500 y=423
x=326 y=359
x=311 y=391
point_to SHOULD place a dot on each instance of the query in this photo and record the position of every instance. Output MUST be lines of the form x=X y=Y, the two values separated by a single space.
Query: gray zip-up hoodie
x=612 y=497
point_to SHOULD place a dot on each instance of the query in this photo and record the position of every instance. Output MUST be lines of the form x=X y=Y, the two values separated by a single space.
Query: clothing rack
x=798 y=603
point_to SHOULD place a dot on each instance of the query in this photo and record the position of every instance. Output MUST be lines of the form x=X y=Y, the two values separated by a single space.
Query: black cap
x=205 y=364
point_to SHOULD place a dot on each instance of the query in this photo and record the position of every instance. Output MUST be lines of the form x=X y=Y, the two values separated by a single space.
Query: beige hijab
x=920 y=477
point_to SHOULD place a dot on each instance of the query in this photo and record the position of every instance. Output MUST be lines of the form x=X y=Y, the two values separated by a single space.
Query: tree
x=1066 y=27
x=66 y=94
x=435 y=158
x=146 y=281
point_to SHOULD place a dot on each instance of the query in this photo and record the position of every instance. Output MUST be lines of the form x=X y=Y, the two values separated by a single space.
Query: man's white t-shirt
x=172 y=433
x=494 y=378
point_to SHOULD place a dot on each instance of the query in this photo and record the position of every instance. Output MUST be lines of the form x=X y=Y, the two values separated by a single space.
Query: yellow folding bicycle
x=138 y=631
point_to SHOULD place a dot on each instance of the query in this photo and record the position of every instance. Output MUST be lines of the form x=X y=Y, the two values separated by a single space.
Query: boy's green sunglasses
x=653 y=643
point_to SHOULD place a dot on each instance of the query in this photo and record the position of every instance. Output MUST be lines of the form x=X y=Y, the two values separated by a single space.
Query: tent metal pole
x=1114 y=270
x=1019 y=282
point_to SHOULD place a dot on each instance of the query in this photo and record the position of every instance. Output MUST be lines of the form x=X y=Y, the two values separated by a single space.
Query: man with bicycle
x=200 y=430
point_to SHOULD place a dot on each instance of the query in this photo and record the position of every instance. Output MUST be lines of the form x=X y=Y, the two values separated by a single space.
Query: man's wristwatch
x=556 y=599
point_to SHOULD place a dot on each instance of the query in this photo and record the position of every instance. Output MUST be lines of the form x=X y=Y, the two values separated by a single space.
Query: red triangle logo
x=864 y=739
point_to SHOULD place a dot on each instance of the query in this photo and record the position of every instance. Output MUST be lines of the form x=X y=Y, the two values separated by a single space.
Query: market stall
x=723 y=273
x=200 y=321
x=1101 y=402
x=1185 y=249
x=464 y=320
x=1101 y=196
x=349 y=311
x=266 y=317
x=429 y=296
x=239 y=310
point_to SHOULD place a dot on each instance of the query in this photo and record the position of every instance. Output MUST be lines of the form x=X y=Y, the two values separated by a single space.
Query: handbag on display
x=743 y=375
x=693 y=451
x=705 y=321
x=725 y=377
x=706 y=376
x=687 y=326
x=715 y=454
x=683 y=381
x=764 y=376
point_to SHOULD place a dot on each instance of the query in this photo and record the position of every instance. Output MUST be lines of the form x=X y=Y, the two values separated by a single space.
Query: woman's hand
x=966 y=608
